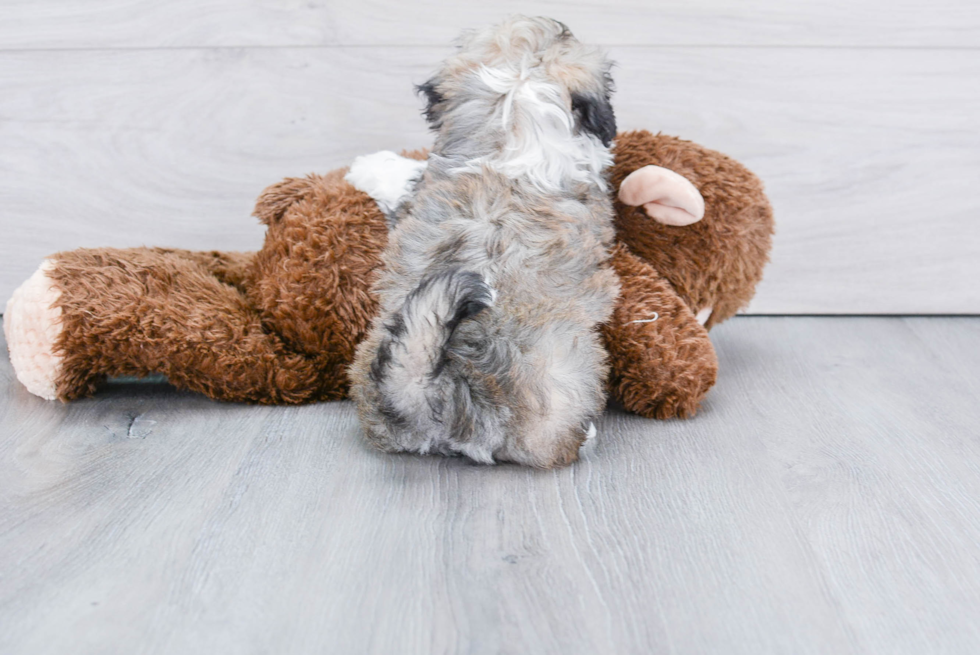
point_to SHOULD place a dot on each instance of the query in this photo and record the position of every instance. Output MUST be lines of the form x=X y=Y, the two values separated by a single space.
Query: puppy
x=495 y=275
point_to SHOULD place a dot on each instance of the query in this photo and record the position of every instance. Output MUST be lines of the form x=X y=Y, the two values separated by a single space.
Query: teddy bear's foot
x=667 y=197
x=673 y=405
x=32 y=324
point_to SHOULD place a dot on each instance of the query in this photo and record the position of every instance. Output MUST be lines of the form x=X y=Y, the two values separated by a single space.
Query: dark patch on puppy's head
x=595 y=115
x=594 y=111
x=434 y=102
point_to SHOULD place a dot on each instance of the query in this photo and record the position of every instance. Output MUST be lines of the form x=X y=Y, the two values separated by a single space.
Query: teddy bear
x=694 y=229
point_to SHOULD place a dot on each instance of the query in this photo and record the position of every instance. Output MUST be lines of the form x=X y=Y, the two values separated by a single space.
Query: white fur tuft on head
x=539 y=145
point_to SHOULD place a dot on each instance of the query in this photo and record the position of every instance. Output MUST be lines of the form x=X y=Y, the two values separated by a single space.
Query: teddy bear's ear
x=667 y=197
x=434 y=101
x=276 y=199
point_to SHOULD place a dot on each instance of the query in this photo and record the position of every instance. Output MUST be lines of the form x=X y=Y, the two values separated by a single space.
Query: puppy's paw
x=589 y=445
x=667 y=197
x=32 y=325
x=388 y=178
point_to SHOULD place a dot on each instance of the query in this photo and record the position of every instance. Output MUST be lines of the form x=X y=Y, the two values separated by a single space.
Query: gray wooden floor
x=826 y=500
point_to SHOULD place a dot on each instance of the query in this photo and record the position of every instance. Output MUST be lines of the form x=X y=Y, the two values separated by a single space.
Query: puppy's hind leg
x=561 y=402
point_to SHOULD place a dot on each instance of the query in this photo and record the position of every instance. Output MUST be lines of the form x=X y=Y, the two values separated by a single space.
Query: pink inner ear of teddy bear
x=667 y=197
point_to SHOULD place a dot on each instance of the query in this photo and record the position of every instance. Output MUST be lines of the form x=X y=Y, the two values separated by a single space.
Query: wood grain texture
x=180 y=23
x=824 y=501
x=870 y=156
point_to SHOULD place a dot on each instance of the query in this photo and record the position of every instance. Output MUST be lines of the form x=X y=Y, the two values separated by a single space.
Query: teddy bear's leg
x=228 y=267
x=662 y=360
x=136 y=312
x=32 y=319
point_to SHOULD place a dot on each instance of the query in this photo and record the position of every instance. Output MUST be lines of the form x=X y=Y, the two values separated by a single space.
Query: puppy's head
x=523 y=85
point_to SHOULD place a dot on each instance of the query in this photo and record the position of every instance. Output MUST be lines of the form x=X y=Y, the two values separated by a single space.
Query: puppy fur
x=496 y=276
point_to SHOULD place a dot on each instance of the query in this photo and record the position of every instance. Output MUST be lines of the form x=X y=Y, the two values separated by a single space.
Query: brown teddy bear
x=280 y=325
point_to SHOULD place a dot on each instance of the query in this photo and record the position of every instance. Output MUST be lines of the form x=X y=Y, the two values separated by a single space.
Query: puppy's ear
x=433 y=102
x=595 y=113
x=563 y=32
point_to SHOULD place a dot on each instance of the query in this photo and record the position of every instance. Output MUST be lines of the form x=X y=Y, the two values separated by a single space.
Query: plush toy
x=280 y=325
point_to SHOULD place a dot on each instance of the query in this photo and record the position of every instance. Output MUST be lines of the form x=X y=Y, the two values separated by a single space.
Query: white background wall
x=158 y=123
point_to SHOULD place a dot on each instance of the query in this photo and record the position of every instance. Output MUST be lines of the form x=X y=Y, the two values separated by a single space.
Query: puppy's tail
x=414 y=349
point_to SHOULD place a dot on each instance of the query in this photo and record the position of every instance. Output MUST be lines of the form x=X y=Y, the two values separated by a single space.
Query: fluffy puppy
x=495 y=276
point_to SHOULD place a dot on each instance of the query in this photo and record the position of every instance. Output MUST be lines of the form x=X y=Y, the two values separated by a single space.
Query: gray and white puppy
x=495 y=275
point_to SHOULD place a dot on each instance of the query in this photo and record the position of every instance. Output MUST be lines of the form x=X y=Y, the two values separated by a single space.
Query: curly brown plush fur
x=281 y=325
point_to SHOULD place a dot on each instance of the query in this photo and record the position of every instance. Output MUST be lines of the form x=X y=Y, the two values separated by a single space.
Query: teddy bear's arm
x=663 y=362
